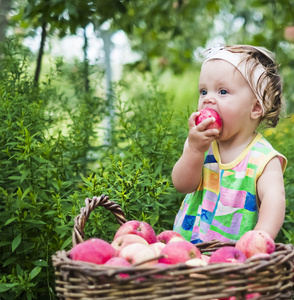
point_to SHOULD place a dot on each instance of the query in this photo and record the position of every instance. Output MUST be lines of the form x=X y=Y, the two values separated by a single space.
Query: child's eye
x=203 y=92
x=223 y=92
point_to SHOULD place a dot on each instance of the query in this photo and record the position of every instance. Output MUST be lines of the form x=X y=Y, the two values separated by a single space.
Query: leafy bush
x=45 y=176
x=40 y=173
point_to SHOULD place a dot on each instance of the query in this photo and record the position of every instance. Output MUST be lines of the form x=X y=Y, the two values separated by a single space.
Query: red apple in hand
x=140 y=228
x=210 y=113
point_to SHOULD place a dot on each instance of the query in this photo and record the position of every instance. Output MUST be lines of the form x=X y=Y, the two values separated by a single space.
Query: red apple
x=176 y=239
x=126 y=239
x=140 y=228
x=253 y=295
x=177 y=252
x=118 y=262
x=136 y=253
x=228 y=254
x=205 y=257
x=249 y=296
x=196 y=262
x=161 y=265
x=260 y=255
x=157 y=247
x=210 y=113
x=256 y=241
x=94 y=250
x=169 y=235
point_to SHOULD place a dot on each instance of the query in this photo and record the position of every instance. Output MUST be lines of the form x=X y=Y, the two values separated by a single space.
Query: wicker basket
x=271 y=276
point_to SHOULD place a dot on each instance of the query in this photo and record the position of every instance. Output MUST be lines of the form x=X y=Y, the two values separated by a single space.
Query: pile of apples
x=136 y=243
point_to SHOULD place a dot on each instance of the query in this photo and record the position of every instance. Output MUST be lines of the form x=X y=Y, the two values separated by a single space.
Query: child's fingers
x=192 y=119
x=202 y=126
x=212 y=132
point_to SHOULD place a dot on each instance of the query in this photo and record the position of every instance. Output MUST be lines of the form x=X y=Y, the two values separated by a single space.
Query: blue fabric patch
x=209 y=159
x=250 y=202
x=196 y=241
x=206 y=216
x=188 y=222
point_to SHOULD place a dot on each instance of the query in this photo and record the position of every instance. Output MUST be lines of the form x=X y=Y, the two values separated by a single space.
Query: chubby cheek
x=233 y=124
x=229 y=122
x=200 y=103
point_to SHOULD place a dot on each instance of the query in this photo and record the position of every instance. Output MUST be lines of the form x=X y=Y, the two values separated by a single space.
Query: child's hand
x=200 y=138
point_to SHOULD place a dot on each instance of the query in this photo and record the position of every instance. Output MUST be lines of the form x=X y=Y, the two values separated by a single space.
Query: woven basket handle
x=80 y=220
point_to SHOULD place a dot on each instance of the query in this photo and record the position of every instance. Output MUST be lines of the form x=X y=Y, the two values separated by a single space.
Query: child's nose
x=209 y=99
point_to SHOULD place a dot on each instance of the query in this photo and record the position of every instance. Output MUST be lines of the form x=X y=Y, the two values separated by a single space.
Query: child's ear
x=257 y=110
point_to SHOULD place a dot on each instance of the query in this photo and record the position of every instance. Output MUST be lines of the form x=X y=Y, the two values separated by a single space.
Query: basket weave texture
x=272 y=276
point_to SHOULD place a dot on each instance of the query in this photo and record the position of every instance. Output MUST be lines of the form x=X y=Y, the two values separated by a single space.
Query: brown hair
x=272 y=94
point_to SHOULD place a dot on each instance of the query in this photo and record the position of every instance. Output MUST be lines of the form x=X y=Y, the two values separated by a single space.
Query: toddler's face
x=223 y=88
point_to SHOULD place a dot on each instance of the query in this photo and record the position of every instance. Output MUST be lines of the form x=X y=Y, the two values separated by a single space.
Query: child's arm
x=186 y=174
x=271 y=192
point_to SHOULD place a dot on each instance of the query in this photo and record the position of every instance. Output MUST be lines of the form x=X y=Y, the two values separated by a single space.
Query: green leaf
x=40 y=159
x=161 y=205
x=36 y=222
x=35 y=272
x=9 y=261
x=26 y=192
x=19 y=193
x=52 y=212
x=66 y=243
x=19 y=271
x=2 y=244
x=40 y=263
x=24 y=175
x=4 y=287
x=15 y=243
x=287 y=234
x=10 y=220
x=14 y=177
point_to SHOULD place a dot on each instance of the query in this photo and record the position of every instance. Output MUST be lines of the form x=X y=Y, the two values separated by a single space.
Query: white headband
x=237 y=60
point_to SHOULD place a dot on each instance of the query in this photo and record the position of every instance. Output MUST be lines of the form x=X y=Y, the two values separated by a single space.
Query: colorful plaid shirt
x=224 y=206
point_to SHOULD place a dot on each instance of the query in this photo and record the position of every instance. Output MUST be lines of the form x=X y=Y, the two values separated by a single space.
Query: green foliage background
x=47 y=171
x=52 y=157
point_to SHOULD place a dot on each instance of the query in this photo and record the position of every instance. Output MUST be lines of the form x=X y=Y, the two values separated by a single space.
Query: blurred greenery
x=282 y=138
x=52 y=137
x=166 y=35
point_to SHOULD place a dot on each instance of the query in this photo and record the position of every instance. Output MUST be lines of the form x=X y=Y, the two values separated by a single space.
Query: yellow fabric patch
x=250 y=173
x=211 y=181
